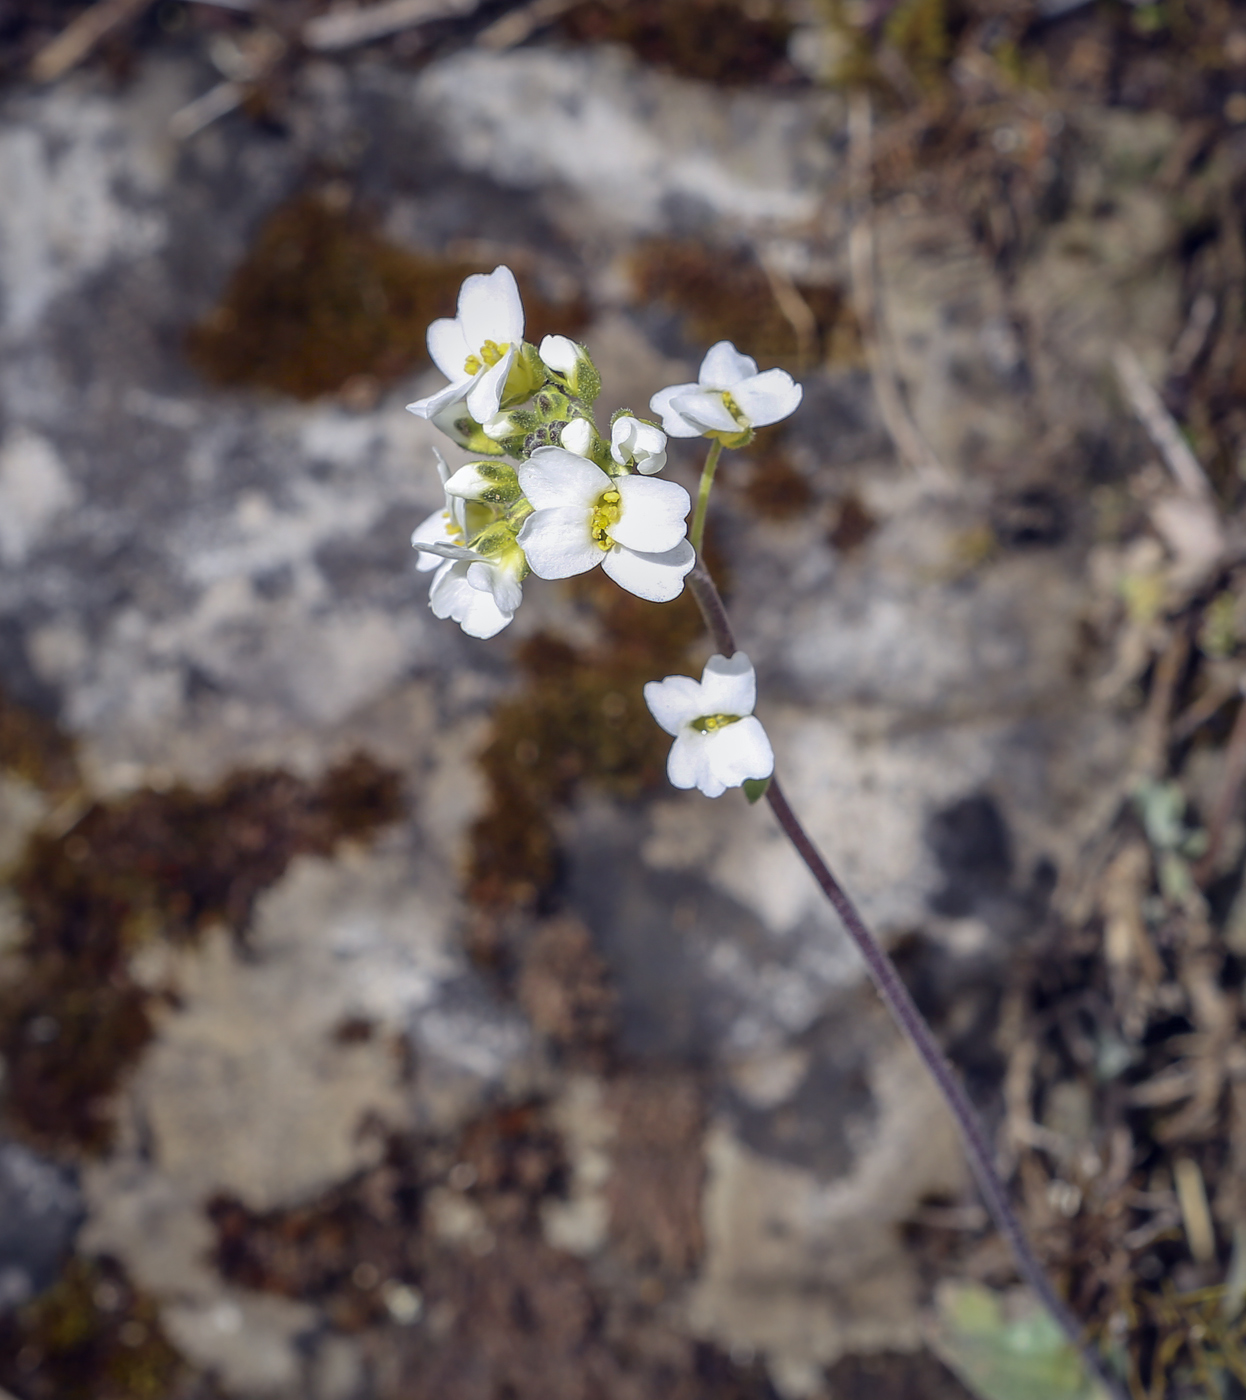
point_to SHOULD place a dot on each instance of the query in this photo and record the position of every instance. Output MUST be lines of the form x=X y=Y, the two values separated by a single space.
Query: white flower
x=729 y=400
x=632 y=526
x=479 y=588
x=480 y=594
x=634 y=443
x=560 y=354
x=718 y=741
x=577 y=437
x=446 y=526
x=477 y=349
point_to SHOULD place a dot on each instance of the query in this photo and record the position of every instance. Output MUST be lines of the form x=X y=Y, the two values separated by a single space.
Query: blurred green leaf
x=1004 y=1353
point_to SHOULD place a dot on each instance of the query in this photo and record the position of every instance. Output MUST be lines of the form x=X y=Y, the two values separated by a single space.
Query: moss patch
x=726 y=295
x=322 y=299
x=718 y=41
x=91 y=1336
x=579 y=715
x=154 y=864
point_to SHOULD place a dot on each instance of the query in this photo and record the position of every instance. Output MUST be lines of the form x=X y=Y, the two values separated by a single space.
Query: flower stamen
x=490 y=353
x=707 y=724
x=605 y=513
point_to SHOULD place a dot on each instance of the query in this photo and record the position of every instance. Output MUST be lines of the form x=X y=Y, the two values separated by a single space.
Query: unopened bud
x=492 y=482
x=635 y=443
x=572 y=365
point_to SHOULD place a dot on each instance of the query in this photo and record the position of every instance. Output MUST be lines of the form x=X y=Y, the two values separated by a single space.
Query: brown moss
x=726 y=295
x=853 y=524
x=718 y=41
x=166 y=863
x=34 y=749
x=91 y=1336
x=322 y=302
x=578 y=715
x=774 y=489
x=564 y=989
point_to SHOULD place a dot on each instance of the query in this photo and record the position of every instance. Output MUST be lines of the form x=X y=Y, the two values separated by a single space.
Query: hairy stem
x=703 y=494
x=914 y=1025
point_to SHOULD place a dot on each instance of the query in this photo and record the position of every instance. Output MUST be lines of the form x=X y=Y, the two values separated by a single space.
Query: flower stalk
x=895 y=995
x=696 y=534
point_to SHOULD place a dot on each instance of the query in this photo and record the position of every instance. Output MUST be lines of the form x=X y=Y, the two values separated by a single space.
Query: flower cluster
x=553 y=496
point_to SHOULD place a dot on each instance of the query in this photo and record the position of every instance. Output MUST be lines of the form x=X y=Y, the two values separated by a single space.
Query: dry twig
x=343 y=29
x=81 y=35
x=914 y=451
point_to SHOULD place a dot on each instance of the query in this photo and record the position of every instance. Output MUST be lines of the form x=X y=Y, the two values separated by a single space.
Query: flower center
x=707 y=724
x=733 y=408
x=453 y=528
x=605 y=513
x=490 y=353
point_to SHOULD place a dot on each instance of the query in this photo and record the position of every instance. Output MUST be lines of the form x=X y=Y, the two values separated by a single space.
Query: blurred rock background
x=375 y=1021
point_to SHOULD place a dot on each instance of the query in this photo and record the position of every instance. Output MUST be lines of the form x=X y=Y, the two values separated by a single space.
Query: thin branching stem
x=697 y=532
x=914 y=1025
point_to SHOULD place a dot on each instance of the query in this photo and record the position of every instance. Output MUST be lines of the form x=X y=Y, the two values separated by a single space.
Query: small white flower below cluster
x=719 y=743
x=729 y=400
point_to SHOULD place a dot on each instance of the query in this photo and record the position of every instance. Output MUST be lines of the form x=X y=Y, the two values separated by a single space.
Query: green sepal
x=755 y=788
x=526 y=376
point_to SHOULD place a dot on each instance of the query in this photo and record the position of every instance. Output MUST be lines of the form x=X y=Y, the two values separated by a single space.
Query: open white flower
x=477 y=349
x=719 y=743
x=634 y=443
x=446 y=526
x=729 y=400
x=633 y=526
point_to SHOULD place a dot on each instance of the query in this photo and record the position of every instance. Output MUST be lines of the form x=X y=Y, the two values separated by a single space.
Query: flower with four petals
x=477 y=350
x=633 y=526
x=719 y=743
x=729 y=400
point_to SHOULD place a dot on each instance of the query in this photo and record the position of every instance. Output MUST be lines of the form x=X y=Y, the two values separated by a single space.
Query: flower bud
x=492 y=482
x=460 y=427
x=636 y=443
x=572 y=365
x=578 y=437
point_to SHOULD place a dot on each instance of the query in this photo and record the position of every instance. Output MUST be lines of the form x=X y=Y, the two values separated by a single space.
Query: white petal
x=724 y=366
x=438 y=402
x=656 y=577
x=443 y=467
x=577 y=437
x=730 y=685
x=558 y=543
x=688 y=764
x=435 y=529
x=765 y=398
x=673 y=422
x=674 y=702
x=448 y=551
x=739 y=751
x=707 y=410
x=474 y=610
x=501 y=585
x=652 y=514
x=559 y=354
x=552 y=476
x=490 y=309
x=449 y=349
x=485 y=395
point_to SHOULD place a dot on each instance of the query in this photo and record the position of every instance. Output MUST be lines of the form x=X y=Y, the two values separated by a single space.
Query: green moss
x=322 y=299
x=718 y=41
x=152 y=864
x=91 y=1336
x=579 y=716
x=725 y=295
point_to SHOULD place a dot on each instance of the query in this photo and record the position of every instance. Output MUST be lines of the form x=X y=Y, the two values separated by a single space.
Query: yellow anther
x=490 y=353
x=453 y=529
x=707 y=724
x=605 y=513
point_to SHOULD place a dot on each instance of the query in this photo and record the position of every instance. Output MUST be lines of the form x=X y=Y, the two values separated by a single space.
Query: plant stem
x=697 y=532
x=914 y=1025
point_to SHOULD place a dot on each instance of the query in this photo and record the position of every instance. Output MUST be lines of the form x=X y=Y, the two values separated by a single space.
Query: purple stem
x=914 y=1025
